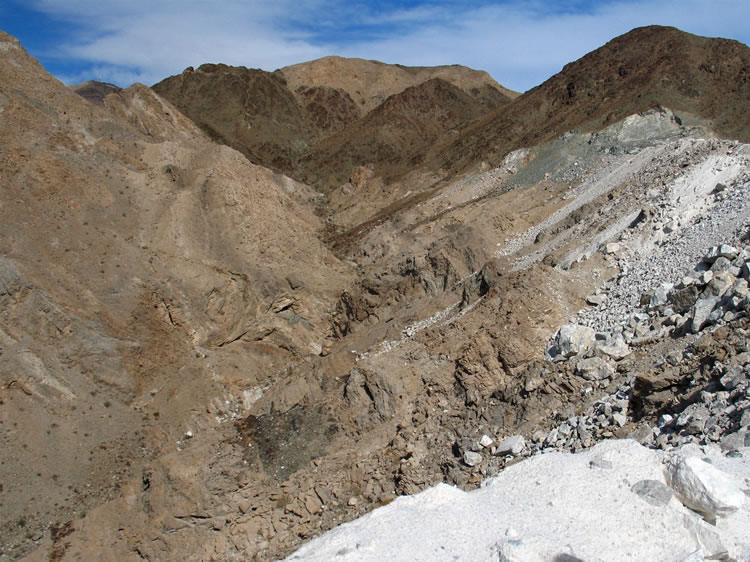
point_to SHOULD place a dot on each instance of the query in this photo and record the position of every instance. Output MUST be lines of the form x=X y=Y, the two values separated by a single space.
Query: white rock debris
x=612 y=502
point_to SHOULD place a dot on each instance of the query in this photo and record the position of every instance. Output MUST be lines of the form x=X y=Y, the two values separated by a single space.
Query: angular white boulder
x=704 y=488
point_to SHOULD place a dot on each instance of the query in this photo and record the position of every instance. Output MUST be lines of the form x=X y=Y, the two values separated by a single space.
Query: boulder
x=693 y=419
x=659 y=296
x=616 y=350
x=573 y=339
x=723 y=251
x=719 y=284
x=594 y=369
x=701 y=312
x=740 y=289
x=704 y=488
x=721 y=264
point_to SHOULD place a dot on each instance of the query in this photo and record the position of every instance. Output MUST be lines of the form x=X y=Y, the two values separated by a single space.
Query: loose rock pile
x=713 y=407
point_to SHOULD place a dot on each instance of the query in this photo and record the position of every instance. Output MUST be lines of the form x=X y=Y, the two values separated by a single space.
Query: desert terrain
x=240 y=308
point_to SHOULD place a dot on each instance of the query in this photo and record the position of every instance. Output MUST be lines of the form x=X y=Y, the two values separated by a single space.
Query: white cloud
x=519 y=43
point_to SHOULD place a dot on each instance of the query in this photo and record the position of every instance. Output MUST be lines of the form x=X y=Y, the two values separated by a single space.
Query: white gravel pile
x=688 y=218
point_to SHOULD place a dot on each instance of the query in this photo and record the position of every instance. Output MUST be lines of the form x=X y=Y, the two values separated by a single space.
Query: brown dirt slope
x=144 y=270
x=705 y=77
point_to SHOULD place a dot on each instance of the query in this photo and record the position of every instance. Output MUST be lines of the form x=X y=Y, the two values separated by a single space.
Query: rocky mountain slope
x=302 y=120
x=704 y=79
x=205 y=359
x=369 y=83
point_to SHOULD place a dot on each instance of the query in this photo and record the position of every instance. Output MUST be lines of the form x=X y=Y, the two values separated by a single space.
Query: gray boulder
x=594 y=369
x=684 y=299
x=701 y=312
x=572 y=339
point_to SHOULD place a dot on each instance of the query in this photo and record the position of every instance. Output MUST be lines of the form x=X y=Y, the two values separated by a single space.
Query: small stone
x=643 y=434
x=244 y=506
x=511 y=445
x=486 y=441
x=704 y=488
x=471 y=458
x=601 y=463
x=665 y=419
x=596 y=300
x=611 y=248
x=312 y=504
x=352 y=502
x=620 y=419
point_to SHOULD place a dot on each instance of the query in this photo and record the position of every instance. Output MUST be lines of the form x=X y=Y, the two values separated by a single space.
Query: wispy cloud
x=521 y=43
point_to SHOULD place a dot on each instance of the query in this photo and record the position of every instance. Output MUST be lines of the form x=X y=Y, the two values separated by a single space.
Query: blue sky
x=520 y=43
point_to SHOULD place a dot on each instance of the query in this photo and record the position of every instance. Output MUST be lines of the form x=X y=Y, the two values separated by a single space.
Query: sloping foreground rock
x=612 y=502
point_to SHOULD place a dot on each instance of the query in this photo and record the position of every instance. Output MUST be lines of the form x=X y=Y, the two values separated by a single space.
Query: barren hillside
x=706 y=80
x=370 y=83
x=301 y=120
